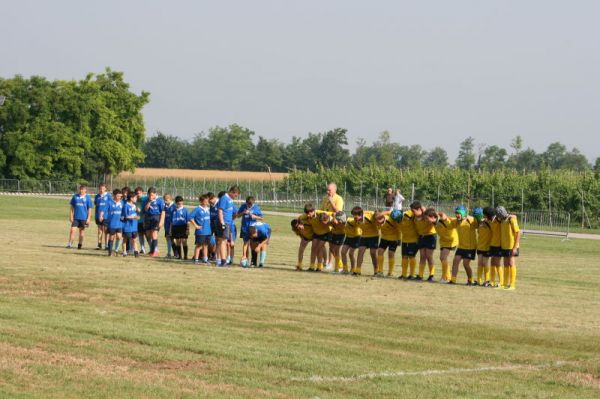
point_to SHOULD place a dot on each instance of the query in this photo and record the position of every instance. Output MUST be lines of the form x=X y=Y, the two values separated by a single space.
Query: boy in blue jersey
x=113 y=214
x=130 y=225
x=100 y=202
x=260 y=234
x=214 y=217
x=141 y=199
x=169 y=207
x=232 y=237
x=250 y=213
x=179 y=229
x=200 y=219
x=80 y=215
x=225 y=209
x=154 y=218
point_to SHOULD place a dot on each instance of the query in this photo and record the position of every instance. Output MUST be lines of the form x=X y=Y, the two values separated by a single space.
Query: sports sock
x=432 y=270
x=445 y=270
x=299 y=265
x=379 y=264
x=487 y=271
x=479 y=274
x=320 y=266
x=176 y=252
x=185 y=252
x=453 y=279
x=312 y=266
x=492 y=279
x=345 y=267
x=506 y=276
x=413 y=265
x=421 y=269
x=262 y=257
x=338 y=264
x=254 y=257
x=513 y=276
x=117 y=245
x=155 y=245
x=110 y=246
x=500 y=272
x=392 y=265
x=404 y=267
x=169 y=247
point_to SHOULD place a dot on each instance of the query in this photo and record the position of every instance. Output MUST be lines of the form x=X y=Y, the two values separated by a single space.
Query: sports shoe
x=410 y=277
x=444 y=281
x=509 y=288
x=136 y=254
x=487 y=284
x=470 y=284
x=451 y=282
x=418 y=278
x=143 y=250
x=99 y=246
x=401 y=278
x=261 y=265
x=124 y=254
x=475 y=283
x=430 y=279
x=69 y=245
x=78 y=246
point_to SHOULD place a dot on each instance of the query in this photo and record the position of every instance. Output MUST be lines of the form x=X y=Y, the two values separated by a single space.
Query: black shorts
x=410 y=249
x=507 y=253
x=259 y=240
x=131 y=235
x=337 y=239
x=112 y=232
x=323 y=237
x=466 y=253
x=301 y=236
x=100 y=223
x=352 y=242
x=80 y=224
x=151 y=223
x=427 y=242
x=387 y=244
x=448 y=248
x=141 y=226
x=221 y=232
x=203 y=240
x=369 y=242
x=179 y=231
x=495 y=252
x=483 y=253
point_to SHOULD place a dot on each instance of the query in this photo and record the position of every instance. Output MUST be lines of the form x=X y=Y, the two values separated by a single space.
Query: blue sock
x=154 y=245
x=263 y=257
x=169 y=247
x=117 y=244
x=110 y=246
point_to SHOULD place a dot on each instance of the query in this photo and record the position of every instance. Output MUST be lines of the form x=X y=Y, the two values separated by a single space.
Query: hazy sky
x=430 y=72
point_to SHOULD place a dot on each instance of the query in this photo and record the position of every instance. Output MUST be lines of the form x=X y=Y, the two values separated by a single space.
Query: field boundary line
x=425 y=373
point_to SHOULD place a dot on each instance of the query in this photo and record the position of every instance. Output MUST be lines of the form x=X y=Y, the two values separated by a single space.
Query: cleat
x=401 y=278
x=410 y=278
x=509 y=288
x=99 y=247
x=443 y=281
x=430 y=279
x=78 y=246
x=451 y=282
x=261 y=265
x=470 y=284
x=418 y=278
x=475 y=283
x=136 y=254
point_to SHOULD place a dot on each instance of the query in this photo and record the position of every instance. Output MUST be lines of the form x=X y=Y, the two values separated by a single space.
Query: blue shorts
x=233 y=233
x=112 y=232
x=132 y=235
x=203 y=240
x=80 y=224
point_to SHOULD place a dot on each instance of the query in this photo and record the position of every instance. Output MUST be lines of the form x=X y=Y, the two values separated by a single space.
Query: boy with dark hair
x=304 y=232
x=410 y=238
x=214 y=220
x=510 y=238
x=154 y=218
x=390 y=239
x=496 y=269
x=484 y=237
x=200 y=219
x=466 y=227
x=169 y=207
x=130 y=228
x=370 y=223
x=179 y=229
x=260 y=234
x=141 y=200
x=250 y=213
x=225 y=211
x=100 y=202
x=304 y=226
x=321 y=226
x=114 y=212
x=427 y=242
x=448 y=243
x=79 y=215
x=353 y=233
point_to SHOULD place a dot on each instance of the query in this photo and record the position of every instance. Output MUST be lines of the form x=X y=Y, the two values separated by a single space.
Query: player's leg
x=380 y=257
x=391 y=261
x=430 y=263
x=301 y=249
x=422 y=262
x=468 y=270
x=479 y=280
x=344 y=254
x=359 y=259
x=455 y=265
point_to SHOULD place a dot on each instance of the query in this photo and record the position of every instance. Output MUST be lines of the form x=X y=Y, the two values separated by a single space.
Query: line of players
x=491 y=234
x=132 y=219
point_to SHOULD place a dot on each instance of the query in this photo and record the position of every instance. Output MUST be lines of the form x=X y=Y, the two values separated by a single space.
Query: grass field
x=78 y=324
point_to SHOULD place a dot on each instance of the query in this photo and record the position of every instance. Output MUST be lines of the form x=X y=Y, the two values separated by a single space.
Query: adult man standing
x=225 y=211
x=331 y=203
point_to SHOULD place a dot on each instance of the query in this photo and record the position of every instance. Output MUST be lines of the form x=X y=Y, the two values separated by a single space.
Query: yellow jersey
x=484 y=238
x=369 y=226
x=307 y=232
x=408 y=228
x=495 y=240
x=336 y=228
x=390 y=230
x=319 y=227
x=424 y=227
x=467 y=232
x=509 y=228
x=448 y=234
x=352 y=228
x=338 y=201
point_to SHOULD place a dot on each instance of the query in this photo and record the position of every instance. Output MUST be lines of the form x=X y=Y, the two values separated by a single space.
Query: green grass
x=79 y=324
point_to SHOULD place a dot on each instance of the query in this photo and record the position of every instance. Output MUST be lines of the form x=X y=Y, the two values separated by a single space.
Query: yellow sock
x=500 y=273
x=359 y=269
x=470 y=279
x=507 y=276
x=413 y=265
x=421 y=270
x=492 y=279
x=479 y=274
x=338 y=264
x=487 y=271
x=379 y=264
x=299 y=265
x=404 y=267
x=345 y=267
x=320 y=266
x=431 y=270
x=513 y=276
x=453 y=279
x=392 y=266
x=445 y=270
x=312 y=266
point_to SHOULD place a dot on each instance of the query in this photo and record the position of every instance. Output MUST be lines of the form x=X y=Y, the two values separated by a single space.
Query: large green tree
x=466 y=154
x=165 y=151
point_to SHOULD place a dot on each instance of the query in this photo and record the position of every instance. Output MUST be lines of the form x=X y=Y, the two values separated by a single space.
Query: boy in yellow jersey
x=484 y=239
x=305 y=225
x=369 y=224
x=390 y=239
x=448 y=243
x=321 y=226
x=305 y=233
x=338 y=227
x=427 y=242
x=466 y=226
x=510 y=239
x=496 y=269
x=352 y=232
x=410 y=239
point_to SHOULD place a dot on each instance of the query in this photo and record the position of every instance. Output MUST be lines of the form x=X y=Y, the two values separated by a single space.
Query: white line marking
x=384 y=374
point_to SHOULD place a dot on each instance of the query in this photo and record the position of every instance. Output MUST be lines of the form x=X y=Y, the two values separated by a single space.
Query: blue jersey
x=101 y=202
x=225 y=203
x=156 y=207
x=201 y=217
x=263 y=230
x=114 y=212
x=80 y=206
x=142 y=199
x=168 y=210
x=130 y=225
x=214 y=216
x=180 y=216
x=247 y=219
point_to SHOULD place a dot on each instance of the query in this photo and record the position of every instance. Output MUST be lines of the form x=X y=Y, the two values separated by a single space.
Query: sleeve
x=72 y=202
x=514 y=224
x=90 y=203
x=220 y=203
x=339 y=204
x=258 y=211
